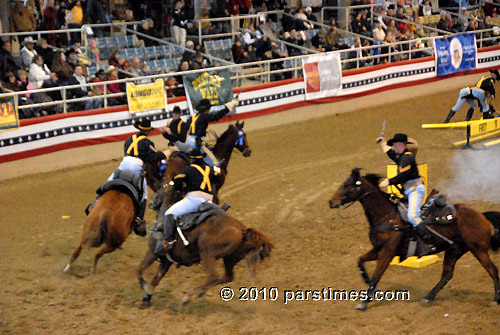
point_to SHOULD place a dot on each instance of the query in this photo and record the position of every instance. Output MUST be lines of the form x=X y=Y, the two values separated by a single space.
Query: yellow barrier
x=490 y=143
x=477 y=139
x=484 y=127
x=461 y=124
x=414 y=262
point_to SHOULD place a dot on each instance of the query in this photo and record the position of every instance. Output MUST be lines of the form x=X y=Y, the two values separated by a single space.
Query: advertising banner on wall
x=322 y=75
x=9 y=118
x=456 y=53
x=146 y=99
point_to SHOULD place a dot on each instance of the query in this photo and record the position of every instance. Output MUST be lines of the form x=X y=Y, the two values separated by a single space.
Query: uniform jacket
x=407 y=167
x=198 y=123
x=195 y=177
x=179 y=131
x=140 y=146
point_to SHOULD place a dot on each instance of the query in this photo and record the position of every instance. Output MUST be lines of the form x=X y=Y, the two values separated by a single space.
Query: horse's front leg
x=160 y=273
x=208 y=262
x=384 y=258
x=369 y=256
x=451 y=256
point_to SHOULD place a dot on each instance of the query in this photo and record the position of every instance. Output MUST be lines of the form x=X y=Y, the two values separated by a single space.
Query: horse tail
x=101 y=230
x=494 y=218
x=258 y=245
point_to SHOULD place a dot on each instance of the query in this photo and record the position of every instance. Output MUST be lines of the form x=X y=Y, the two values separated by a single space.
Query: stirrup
x=167 y=245
x=225 y=207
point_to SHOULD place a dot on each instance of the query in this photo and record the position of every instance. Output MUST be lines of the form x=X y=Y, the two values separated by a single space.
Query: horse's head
x=153 y=175
x=241 y=142
x=353 y=188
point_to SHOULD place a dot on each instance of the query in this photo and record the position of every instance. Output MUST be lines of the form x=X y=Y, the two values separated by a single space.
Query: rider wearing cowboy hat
x=408 y=176
x=198 y=180
x=198 y=124
x=138 y=149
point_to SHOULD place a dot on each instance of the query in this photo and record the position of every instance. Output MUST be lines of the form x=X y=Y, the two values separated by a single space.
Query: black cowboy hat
x=402 y=138
x=203 y=105
x=495 y=74
x=143 y=124
x=176 y=110
x=196 y=154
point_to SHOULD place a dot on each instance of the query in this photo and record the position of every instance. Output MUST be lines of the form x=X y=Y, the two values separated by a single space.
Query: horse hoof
x=425 y=301
x=362 y=306
x=201 y=293
x=145 y=304
x=494 y=303
x=66 y=268
x=185 y=300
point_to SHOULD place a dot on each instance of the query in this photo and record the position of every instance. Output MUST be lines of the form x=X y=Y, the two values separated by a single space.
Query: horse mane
x=221 y=139
x=373 y=179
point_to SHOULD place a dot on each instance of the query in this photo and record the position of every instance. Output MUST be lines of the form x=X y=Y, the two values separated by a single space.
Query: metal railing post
x=65 y=106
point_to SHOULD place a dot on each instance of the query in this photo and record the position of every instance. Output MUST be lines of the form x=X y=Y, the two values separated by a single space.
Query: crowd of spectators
x=58 y=59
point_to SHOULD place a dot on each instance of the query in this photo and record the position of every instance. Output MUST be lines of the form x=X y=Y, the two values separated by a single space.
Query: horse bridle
x=358 y=186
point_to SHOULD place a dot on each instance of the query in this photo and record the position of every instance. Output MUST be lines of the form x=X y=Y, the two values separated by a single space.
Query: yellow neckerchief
x=483 y=78
x=206 y=176
x=135 y=144
x=192 y=129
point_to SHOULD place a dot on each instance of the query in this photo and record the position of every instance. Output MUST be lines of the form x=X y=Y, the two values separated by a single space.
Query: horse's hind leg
x=369 y=256
x=74 y=256
x=212 y=279
x=483 y=258
x=104 y=250
x=451 y=256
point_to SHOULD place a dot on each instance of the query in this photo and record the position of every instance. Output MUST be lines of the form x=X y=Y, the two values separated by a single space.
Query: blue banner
x=456 y=53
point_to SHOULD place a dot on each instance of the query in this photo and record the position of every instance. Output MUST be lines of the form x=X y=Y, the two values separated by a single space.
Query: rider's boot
x=139 y=219
x=424 y=235
x=168 y=241
x=450 y=115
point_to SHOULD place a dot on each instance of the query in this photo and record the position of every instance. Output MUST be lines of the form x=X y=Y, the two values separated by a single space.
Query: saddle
x=435 y=210
x=188 y=221
x=127 y=182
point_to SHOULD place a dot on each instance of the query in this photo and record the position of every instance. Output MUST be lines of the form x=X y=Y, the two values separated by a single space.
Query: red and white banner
x=322 y=75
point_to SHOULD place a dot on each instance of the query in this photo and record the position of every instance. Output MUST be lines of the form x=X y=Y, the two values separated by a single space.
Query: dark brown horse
x=220 y=236
x=389 y=235
x=110 y=222
x=233 y=138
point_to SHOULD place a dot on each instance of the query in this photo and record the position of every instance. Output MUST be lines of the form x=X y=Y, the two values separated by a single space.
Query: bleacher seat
x=170 y=64
x=149 y=52
x=178 y=51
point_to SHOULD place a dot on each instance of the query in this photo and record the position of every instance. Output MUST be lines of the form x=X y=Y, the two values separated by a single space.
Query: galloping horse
x=233 y=138
x=219 y=236
x=111 y=221
x=389 y=235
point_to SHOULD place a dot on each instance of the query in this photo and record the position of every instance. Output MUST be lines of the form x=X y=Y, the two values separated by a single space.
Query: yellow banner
x=9 y=118
x=485 y=126
x=146 y=97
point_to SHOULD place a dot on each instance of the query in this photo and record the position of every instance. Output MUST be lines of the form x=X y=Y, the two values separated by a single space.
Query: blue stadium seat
x=149 y=52
x=130 y=41
x=170 y=64
x=177 y=51
x=140 y=53
x=121 y=41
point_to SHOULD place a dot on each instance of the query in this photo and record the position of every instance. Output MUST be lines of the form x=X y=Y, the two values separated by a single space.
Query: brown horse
x=219 y=236
x=110 y=222
x=389 y=235
x=234 y=137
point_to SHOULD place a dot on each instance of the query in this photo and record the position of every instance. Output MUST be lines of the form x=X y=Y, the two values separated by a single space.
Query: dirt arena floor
x=282 y=189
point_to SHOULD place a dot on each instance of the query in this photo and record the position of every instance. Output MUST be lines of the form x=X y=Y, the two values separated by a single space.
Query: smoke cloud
x=476 y=176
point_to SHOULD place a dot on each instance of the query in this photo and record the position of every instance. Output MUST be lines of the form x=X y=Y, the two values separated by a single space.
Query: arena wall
x=68 y=140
